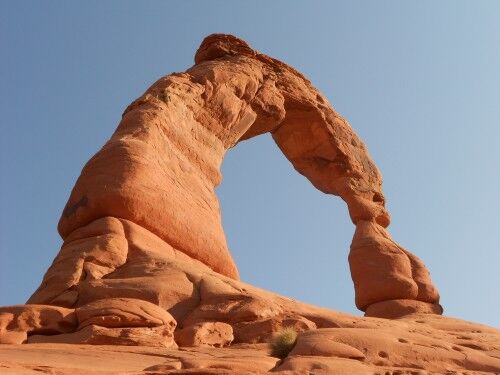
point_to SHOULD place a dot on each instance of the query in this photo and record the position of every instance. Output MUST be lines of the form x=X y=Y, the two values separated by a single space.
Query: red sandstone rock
x=415 y=344
x=213 y=334
x=173 y=139
x=315 y=343
x=97 y=335
x=383 y=271
x=13 y=336
x=145 y=262
x=90 y=253
x=18 y=321
x=259 y=331
x=397 y=308
x=386 y=348
x=123 y=312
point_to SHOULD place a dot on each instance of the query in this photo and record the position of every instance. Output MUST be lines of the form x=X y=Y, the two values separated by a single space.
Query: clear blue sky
x=418 y=81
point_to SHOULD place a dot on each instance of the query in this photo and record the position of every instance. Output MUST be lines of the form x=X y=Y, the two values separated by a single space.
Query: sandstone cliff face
x=145 y=261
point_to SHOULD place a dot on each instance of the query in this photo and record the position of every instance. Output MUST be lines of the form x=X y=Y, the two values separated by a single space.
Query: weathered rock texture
x=416 y=344
x=145 y=262
x=161 y=166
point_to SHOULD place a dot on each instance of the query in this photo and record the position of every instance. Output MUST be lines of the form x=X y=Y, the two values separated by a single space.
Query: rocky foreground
x=222 y=328
x=163 y=312
x=144 y=282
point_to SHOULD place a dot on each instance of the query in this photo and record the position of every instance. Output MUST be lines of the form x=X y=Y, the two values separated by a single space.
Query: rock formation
x=161 y=166
x=145 y=261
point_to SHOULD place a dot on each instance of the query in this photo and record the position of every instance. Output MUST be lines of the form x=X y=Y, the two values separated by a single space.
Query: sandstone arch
x=158 y=172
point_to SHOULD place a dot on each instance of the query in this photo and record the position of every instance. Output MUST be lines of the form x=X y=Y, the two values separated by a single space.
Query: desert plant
x=283 y=342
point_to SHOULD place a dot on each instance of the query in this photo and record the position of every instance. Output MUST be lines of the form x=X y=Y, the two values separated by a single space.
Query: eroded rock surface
x=159 y=170
x=420 y=344
x=145 y=263
x=211 y=334
x=207 y=323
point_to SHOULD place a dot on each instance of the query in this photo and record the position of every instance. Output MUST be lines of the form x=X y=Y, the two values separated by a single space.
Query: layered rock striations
x=145 y=261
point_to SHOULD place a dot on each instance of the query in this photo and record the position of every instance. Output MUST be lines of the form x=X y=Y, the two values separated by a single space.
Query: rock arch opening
x=283 y=233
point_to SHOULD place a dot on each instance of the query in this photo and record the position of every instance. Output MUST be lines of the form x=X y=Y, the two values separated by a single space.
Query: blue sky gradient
x=418 y=81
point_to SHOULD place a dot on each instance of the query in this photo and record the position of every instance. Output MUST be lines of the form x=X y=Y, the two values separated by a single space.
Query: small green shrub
x=283 y=342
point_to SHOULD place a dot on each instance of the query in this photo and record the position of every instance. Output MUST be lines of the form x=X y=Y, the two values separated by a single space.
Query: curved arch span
x=161 y=166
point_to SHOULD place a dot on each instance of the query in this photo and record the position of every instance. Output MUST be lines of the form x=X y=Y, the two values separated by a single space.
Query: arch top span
x=161 y=166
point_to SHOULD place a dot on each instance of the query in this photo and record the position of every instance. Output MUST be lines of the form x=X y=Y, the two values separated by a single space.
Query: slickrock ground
x=331 y=342
x=145 y=284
